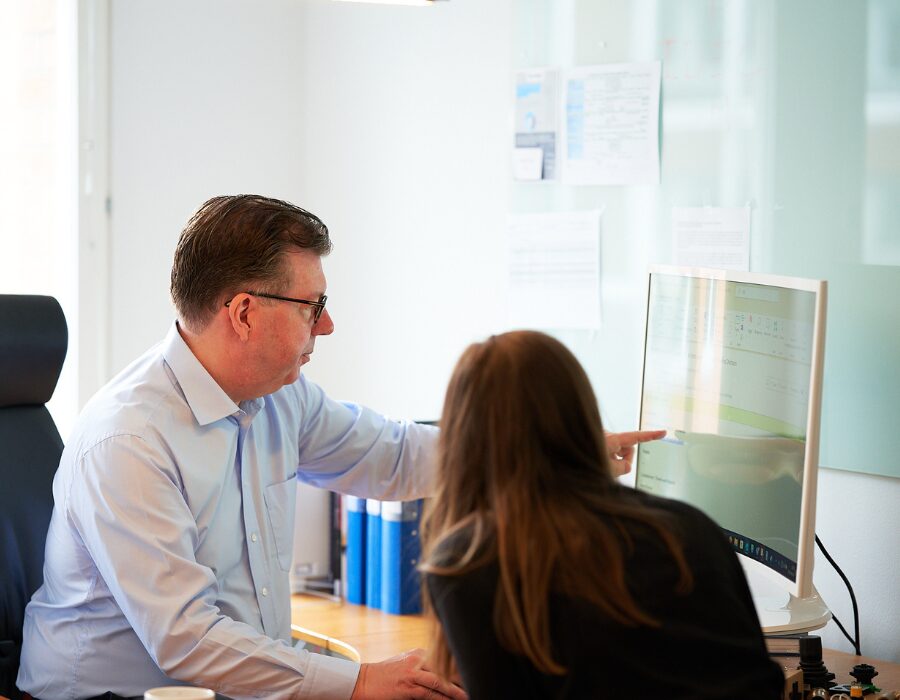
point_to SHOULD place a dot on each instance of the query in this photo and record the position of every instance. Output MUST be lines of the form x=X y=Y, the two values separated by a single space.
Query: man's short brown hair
x=235 y=243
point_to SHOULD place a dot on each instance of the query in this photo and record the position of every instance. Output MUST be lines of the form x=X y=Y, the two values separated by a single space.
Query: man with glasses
x=170 y=543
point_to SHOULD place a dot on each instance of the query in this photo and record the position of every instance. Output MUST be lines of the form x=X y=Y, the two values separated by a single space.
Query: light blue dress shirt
x=170 y=543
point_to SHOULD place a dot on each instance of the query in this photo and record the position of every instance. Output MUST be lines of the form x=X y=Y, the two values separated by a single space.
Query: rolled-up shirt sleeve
x=352 y=449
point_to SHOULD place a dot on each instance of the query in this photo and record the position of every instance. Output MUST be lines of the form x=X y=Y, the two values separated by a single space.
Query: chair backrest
x=33 y=342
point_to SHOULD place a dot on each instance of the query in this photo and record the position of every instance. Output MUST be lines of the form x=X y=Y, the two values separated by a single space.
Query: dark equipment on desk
x=864 y=673
x=815 y=673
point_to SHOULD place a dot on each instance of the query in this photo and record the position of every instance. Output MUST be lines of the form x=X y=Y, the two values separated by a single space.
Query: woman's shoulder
x=692 y=524
x=675 y=508
x=467 y=542
x=457 y=578
x=450 y=548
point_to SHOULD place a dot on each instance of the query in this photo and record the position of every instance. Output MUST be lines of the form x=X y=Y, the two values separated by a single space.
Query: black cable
x=841 y=627
x=831 y=561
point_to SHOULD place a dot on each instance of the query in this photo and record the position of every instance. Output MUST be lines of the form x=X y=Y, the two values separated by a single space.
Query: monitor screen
x=732 y=370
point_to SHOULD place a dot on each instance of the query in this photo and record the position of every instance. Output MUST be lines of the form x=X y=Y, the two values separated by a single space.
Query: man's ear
x=239 y=315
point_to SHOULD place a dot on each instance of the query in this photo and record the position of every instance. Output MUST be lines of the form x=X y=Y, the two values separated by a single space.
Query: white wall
x=207 y=98
x=858 y=521
x=392 y=124
x=389 y=122
x=405 y=157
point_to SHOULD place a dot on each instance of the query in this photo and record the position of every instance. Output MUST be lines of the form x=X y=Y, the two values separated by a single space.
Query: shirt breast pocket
x=281 y=501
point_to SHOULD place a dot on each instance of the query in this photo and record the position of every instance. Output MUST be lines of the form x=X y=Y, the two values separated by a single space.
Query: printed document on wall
x=537 y=108
x=554 y=270
x=717 y=237
x=612 y=124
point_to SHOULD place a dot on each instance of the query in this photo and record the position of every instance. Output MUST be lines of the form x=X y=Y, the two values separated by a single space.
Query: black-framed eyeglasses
x=318 y=306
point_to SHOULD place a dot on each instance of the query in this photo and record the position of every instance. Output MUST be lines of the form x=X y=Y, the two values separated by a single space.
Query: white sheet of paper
x=554 y=270
x=528 y=163
x=612 y=124
x=717 y=237
x=537 y=115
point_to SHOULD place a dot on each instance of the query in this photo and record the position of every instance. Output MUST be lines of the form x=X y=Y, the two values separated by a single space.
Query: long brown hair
x=524 y=480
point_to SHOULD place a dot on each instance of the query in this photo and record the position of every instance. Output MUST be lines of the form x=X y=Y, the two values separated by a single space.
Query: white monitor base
x=784 y=614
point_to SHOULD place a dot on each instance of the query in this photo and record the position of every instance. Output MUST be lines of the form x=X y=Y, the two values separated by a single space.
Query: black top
x=709 y=644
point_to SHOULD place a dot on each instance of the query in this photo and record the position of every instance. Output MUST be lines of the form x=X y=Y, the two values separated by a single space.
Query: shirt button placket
x=258 y=568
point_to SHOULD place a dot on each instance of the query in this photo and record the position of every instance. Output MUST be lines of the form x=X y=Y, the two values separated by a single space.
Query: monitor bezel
x=803 y=586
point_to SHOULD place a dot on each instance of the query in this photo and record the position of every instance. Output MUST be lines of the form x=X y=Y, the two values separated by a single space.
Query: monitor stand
x=781 y=613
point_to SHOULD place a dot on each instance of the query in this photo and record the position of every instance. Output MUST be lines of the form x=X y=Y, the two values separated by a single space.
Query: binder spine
x=400 y=584
x=356 y=549
x=373 y=553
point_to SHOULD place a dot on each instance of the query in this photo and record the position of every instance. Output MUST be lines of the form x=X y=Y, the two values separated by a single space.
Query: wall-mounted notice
x=612 y=124
x=716 y=237
x=537 y=107
x=528 y=163
x=554 y=270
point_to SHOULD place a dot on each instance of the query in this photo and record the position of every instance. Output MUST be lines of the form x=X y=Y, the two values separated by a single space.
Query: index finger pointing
x=637 y=436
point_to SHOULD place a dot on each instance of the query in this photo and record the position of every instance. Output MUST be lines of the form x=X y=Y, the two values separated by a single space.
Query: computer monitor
x=316 y=560
x=733 y=371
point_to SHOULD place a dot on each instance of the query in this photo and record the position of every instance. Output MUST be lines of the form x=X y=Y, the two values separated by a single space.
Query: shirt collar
x=206 y=399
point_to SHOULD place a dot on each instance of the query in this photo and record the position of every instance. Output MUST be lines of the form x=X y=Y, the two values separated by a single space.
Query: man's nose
x=325 y=324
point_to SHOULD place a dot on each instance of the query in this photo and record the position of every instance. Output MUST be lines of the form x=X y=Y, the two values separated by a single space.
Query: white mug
x=179 y=692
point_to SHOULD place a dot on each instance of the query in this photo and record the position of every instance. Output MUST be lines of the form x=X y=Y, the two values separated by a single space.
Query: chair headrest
x=33 y=342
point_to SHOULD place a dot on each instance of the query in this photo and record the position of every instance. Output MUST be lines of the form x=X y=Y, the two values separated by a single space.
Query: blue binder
x=356 y=549
x=400 y=547
x=373 y=553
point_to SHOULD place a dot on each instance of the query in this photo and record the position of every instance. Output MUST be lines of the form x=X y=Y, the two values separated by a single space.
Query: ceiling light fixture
x=396 y=2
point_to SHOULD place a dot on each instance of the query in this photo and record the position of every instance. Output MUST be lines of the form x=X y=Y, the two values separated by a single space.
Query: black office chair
x=33 y=342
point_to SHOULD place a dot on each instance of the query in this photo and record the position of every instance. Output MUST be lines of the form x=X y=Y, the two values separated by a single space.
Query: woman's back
x=549 y=578
x=708 y=643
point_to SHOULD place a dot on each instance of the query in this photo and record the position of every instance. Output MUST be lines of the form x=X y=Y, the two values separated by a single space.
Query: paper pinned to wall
x=717 y=237
x=554 y=270
x=537 y=110
x=612 y=124
x=528 y=163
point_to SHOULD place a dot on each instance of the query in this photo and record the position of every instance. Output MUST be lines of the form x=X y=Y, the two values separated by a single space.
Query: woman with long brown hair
x=550 y=579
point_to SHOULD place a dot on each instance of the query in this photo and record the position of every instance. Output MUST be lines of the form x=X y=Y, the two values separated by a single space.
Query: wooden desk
x=363 y=634
x=355 y=631
x=840 y=663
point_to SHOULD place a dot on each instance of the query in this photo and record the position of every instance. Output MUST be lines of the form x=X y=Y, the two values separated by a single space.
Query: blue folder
x=373 y=553
x=400 y=547
x=356 y=549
